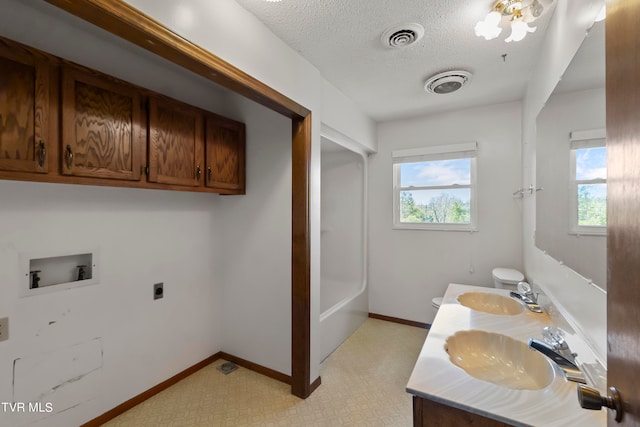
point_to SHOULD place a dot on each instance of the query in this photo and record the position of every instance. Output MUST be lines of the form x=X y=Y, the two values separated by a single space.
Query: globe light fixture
x=519 y=13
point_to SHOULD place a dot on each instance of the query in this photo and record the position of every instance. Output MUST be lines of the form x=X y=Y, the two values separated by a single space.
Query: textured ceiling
x=342 y=39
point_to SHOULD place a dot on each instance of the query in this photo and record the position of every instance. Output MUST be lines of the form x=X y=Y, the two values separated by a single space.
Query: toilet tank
x=506 y=278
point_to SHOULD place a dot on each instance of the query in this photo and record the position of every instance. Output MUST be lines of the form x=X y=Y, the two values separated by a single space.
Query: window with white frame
x=588 y=156
x=435 y=187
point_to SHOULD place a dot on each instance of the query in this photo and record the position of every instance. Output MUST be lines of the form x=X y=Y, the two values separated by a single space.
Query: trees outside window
x=434 y=187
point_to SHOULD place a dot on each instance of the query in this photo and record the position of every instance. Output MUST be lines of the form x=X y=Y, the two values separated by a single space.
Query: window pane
x=436 y=206
x=435 y=173
x=592 y=204
x=591 y=163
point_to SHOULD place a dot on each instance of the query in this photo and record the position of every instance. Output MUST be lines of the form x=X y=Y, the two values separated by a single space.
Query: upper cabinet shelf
x=24 y=109
x=225 y=154
x=110 y=132
x=101 y=127
x=176 y=145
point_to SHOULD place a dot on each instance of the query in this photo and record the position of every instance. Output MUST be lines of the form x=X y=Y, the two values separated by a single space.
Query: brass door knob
x=590 y=398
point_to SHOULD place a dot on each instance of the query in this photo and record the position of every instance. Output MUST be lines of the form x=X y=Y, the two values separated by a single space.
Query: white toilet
x=503 y=278
x=506 y=278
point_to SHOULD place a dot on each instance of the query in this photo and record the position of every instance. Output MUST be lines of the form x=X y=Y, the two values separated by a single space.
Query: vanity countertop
x=436 y=378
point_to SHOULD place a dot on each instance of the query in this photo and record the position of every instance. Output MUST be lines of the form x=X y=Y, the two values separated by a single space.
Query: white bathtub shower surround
x=436 y=378
x=343 y=278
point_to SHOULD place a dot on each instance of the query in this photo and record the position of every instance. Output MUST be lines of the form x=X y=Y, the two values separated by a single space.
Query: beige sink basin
x=490 y=303
x=499 y=359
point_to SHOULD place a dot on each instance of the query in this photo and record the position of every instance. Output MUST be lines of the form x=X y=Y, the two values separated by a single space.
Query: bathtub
x=343 y=281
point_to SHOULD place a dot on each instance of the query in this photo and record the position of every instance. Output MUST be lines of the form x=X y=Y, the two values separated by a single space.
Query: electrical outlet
x=158 y=291
x=4 y=329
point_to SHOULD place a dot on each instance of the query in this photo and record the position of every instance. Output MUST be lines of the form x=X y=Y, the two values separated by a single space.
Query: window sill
x=588 y=232
x=430 y=227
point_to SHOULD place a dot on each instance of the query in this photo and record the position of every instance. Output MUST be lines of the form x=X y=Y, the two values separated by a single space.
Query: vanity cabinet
x=225 y=154
x=101 y=127
x=429 y=413
x=176 y=144
x=25 y=133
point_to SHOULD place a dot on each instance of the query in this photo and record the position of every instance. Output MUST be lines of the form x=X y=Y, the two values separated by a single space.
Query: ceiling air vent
x=402 y=35
x=447 y=82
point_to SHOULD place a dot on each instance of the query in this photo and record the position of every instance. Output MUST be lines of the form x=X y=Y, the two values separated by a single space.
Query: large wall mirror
x=571 y=164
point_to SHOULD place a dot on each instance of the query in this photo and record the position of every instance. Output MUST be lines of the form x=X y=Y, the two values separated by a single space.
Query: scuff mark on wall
x=62 y=378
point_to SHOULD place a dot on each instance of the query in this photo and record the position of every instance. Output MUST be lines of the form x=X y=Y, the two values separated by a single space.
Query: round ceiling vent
x=447 y=82
x=402 y=35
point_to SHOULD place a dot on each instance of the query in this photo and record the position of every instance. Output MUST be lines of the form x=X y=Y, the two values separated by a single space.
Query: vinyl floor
x=363 y=384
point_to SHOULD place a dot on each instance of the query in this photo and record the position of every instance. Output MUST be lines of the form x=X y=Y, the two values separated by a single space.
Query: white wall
x=233 y=34
x=195 y=243
x=209 y=245
x=143 y=237
x=109 y=342
x=256 y=231
x=341 y=113
x=583 y=304
x=407 y=268
x=579 y=110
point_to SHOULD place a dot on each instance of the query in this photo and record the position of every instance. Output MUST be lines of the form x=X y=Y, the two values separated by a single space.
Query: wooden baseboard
x=401 y=321
x=279 y=376
x=136 y=400
x=315 y=385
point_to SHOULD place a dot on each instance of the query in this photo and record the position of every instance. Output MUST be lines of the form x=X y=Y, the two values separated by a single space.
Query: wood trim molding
x=300 y=260
x=314 y=385
x=136 y=400
x=123 y=20
x=267 y=372
x=401 y=321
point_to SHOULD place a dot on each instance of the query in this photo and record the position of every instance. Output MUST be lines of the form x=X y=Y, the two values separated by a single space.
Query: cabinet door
x=225 y=151
x=24 y=109
x=101 y=129
x=176 y=145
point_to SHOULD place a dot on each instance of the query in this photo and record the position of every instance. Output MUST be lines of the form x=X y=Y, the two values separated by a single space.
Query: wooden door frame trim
x=126 y=22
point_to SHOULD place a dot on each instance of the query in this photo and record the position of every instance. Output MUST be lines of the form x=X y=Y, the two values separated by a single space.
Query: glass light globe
x=488 y=28
x=519 y=30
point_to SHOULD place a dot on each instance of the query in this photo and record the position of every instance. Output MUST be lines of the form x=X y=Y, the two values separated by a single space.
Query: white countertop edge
x=436 y=378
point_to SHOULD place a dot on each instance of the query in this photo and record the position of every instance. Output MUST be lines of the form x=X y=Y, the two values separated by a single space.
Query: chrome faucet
x=526 y=295
x=555 y=348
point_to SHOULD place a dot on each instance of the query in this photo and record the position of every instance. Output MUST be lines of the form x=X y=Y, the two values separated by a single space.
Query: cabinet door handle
x=69 y=156
x=209 y=173
x=42 y=153
x=198 y=172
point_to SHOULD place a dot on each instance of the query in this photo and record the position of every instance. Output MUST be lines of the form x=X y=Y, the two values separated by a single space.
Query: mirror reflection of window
x=588 y=155
x=571 y=210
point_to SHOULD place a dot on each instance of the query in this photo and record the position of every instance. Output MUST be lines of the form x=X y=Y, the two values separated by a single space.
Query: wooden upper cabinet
x=70 y=124
x=176 y=144
x=102 y=127
x=24 y=109
x=225 y=150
